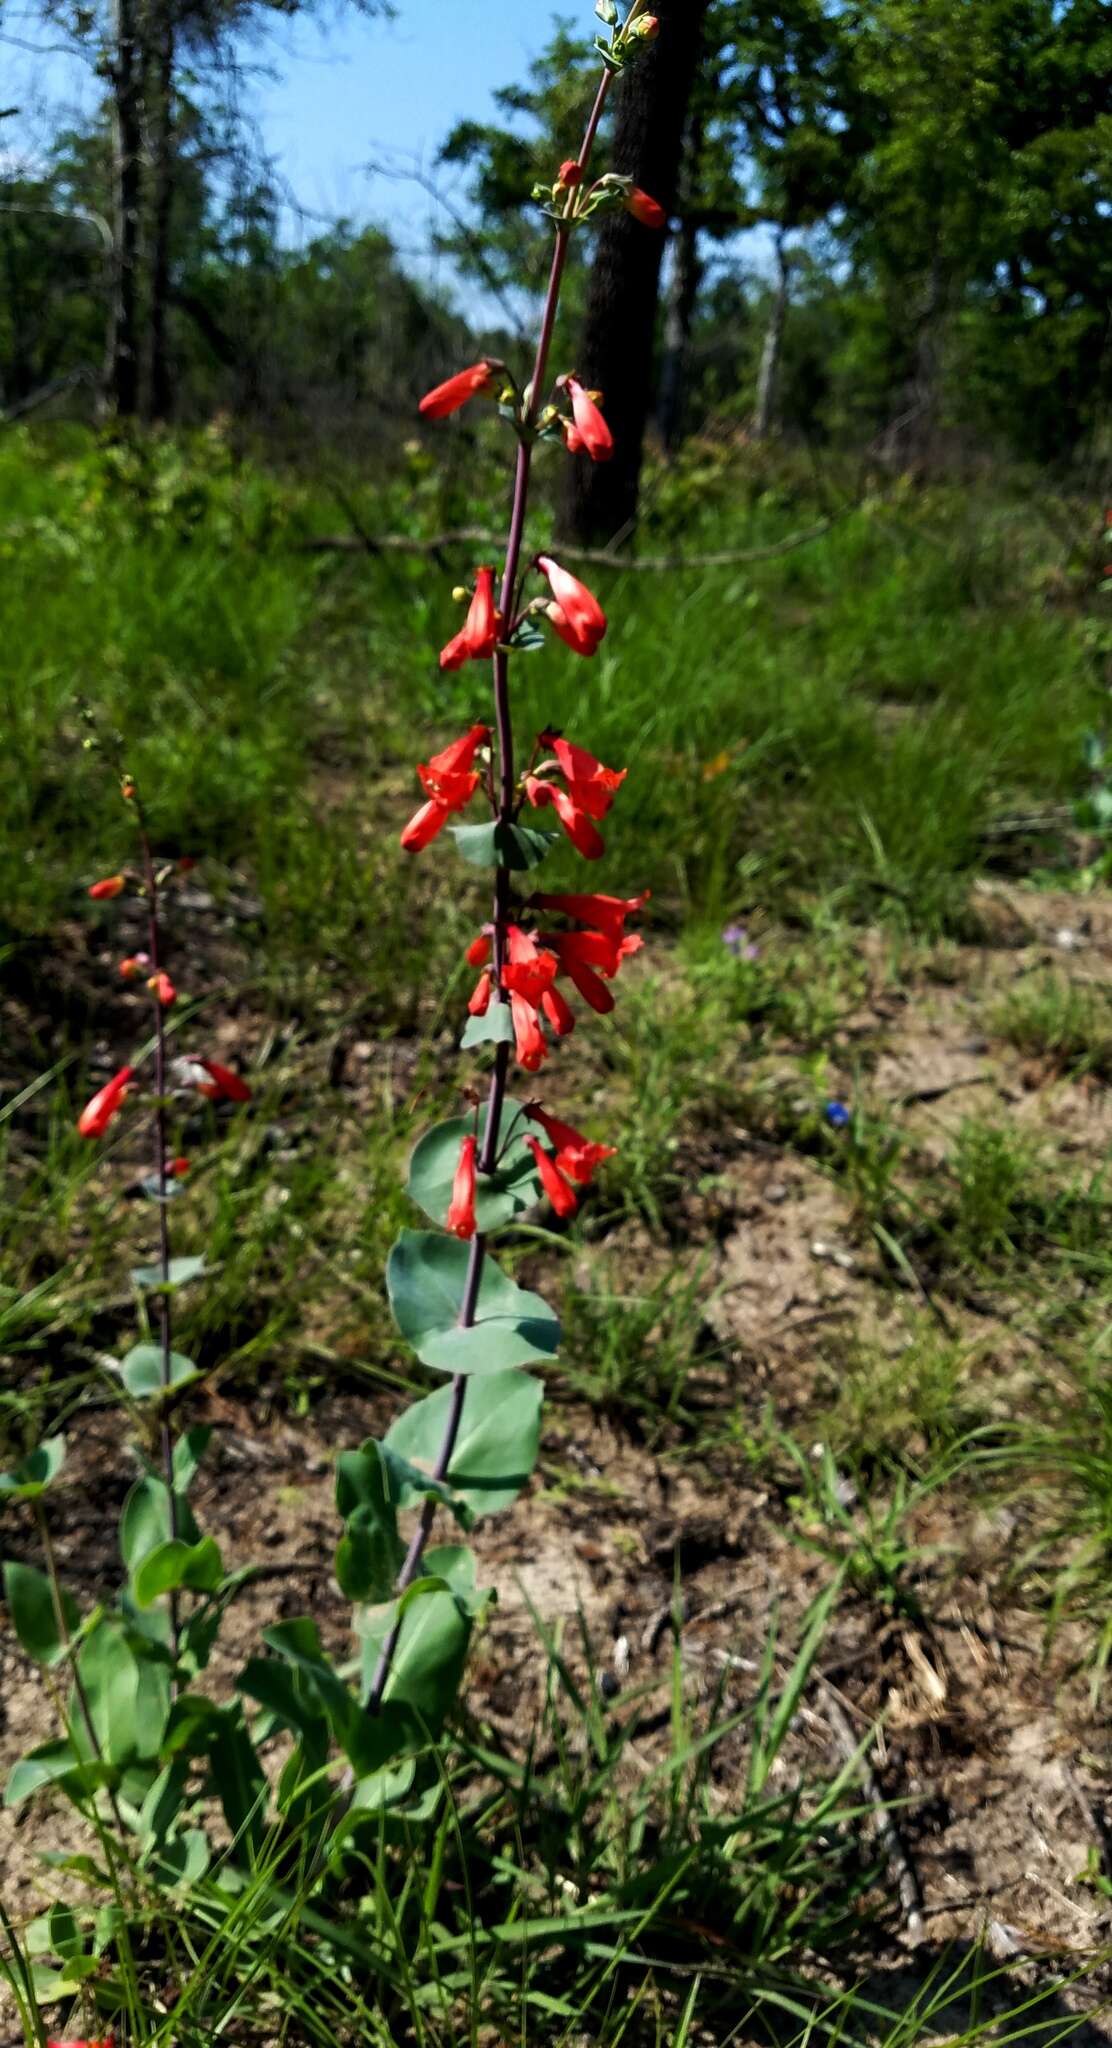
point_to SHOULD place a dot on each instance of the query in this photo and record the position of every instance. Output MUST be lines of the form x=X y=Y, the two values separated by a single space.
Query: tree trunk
x=157 y=382
x=121 y=364
x=616 y=355
x=768 y=379
x=679 y=313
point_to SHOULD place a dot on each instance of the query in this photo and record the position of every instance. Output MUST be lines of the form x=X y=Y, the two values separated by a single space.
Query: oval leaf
x=31 y=1604
x=173 y=1564
x=426 y=1276
x=495 y=1028
x=178 y=1272
x=141 y=1372
x=496 y=1446
x=513 y=1187
x=38 y=1469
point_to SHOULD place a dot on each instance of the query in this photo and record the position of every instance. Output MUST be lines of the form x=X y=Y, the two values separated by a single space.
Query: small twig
x=899 y=1862
x=607 y=558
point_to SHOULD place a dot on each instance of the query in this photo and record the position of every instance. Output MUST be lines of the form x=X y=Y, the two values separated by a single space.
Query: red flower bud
x=594 y=434
x=448 y=397
x=479 y=951
x=222 y=1085
x=160 y=985
x=102 y=1107
x=571 y=175
x=480 y=996
x=560 y=1192
x=559 y=1012
x=646 y=210
x=176 y=1169
x=133 y=966
x=479 y=636
x=529 y=1039
x=102 y=892
x=577 y=615
x=461 y=1210
x=186 y=863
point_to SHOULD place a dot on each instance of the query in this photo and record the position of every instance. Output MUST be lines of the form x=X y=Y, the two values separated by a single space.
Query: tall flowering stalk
x=475 y=1174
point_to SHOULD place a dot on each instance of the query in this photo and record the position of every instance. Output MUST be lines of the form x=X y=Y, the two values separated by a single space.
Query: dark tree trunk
x=157 y=382
x=121 y=364
x=679 y=312
x=616 y=356
x=768 y=379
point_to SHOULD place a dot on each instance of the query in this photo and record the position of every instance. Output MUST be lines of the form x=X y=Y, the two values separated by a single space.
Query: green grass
x=815 y=742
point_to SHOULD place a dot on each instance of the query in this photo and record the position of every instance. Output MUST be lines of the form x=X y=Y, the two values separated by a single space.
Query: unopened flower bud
x=570 y=175
x=460 y=594
x=133 y=966
x=102 y=892
x=646 y=26
x=127 y=789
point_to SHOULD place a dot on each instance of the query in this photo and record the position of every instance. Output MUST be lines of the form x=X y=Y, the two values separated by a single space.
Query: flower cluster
x=199 y=1074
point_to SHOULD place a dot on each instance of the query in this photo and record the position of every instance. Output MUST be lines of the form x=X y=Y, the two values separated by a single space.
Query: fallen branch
x=478 y=536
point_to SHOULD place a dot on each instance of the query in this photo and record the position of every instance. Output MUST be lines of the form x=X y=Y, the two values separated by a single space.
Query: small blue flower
x=837 y=1115
x=736 y=940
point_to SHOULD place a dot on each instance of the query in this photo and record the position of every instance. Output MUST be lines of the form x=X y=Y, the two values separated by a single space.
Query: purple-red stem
x=504 y=724
x=162 y=1296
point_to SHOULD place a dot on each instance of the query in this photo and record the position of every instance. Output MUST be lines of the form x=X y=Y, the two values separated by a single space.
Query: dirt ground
x=996 y=1760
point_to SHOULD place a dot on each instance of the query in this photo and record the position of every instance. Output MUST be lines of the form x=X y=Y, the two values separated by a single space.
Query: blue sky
x=330 y=98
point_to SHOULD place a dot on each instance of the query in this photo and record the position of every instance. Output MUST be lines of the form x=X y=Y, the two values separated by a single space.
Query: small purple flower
x=736 y=940
x=837 y=1115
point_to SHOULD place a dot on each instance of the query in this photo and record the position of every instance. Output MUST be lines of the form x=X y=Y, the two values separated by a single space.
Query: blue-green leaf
x=35 y=1473
x=506 y=846
x=141 y=1372
x=426 y=1276
x=513 y=1187
x=31 y=1604
x=496 y=1444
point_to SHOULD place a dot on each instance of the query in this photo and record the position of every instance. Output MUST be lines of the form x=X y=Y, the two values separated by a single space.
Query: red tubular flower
x=592 y=786
x=583 y=835
x=478 y=952
x=160 y=985
x=575 y=1154
x=100 y=1110
x=646 y=210
x=608 y=913
x=528 y=971
x=529 y=1039
x=424 y=825
x=559 y=1012
x=461 y=1210
x=222 y=1085
x=583 y=965
x=102 y=892
x=560 y=1192
x=176 y=1169
x=594 y=434
x=479 y=636
x=480 y=997
x=456 y=391
x=577 y=615
x=449 y=782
